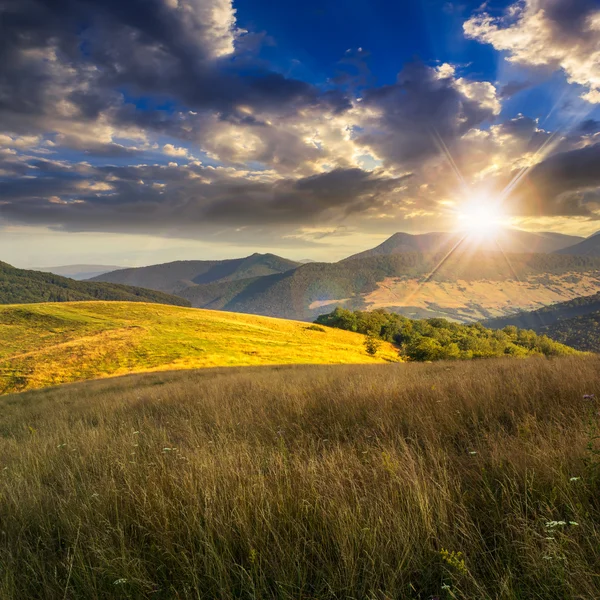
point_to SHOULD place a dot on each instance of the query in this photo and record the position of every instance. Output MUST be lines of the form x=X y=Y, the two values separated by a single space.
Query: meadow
x=51 y=343
x=450 y=480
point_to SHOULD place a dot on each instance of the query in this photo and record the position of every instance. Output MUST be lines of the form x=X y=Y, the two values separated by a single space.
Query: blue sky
x=166 y=129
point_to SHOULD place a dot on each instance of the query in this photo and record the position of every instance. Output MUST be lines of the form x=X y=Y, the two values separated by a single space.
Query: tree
x=372 y=343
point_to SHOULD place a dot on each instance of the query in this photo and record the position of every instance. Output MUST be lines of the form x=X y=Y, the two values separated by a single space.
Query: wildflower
x=119 y=581
x=589 y=396
x=575 y=479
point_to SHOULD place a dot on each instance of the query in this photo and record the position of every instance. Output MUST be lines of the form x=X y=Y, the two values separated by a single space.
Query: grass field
x=52 y=343
x=469 y=480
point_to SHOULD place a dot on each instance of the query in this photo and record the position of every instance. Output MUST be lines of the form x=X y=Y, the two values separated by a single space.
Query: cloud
x=425 y=110
x=86 y=62
x=184 y=200
x=565 y=184
x=557 y=34
x=171 y=150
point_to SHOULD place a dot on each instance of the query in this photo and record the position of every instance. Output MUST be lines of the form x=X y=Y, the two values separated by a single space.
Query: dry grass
x=305 y=482
x=52 y=343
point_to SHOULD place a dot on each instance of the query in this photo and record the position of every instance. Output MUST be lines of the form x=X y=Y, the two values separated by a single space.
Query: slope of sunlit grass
x=470 y=480
x=47 y=344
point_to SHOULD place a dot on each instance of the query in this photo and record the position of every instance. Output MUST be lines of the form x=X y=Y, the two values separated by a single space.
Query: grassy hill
x=48 y=344
x=466 y=480
x=175 y=276
x=466 y=287
x=24 y=286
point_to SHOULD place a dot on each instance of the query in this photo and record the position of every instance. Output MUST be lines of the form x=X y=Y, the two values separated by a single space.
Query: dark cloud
x=410 y=120
x=71 y=59
x=186 y=200
x=565 y=184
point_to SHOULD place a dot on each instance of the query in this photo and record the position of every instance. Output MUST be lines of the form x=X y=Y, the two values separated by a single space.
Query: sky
x=147 y=131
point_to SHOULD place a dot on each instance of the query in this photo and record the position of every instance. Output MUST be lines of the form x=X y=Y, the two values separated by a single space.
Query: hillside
x=176 y=276
x=439 y=339
x=588 y=247
x=509 y=240
x=549 y=315
x=23 y=286
x=575 y=323
x=466 y=480
x=465 y=287
x=48 y=344
x=79 y=272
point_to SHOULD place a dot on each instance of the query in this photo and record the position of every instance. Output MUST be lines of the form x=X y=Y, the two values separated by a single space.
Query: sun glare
x=481 y=218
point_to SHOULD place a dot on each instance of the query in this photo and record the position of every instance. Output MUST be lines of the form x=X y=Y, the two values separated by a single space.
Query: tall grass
x=458 y=480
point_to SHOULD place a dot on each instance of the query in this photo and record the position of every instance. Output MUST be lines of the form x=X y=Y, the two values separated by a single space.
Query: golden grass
x=468 y=480
x=53 y=343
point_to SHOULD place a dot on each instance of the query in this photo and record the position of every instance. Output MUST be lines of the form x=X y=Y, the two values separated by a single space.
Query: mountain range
x=469 y=285
x=505 y=240
x=464 y=278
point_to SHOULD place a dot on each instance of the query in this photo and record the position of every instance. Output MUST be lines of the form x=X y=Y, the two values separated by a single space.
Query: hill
x=176 y=276
x=460 y=480
x=78 y=272
x=48 y=344
x=588 y=247
x=549 y=315
x=464 y=287
x=575 y=323
x=24 y=286
x=509 y=240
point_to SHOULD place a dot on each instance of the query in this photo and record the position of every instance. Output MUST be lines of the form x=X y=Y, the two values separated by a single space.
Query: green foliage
x=372 y=343
x=20 y=286
x=439 y=339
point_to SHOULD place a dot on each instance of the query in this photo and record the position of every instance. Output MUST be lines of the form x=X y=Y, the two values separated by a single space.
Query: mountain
x=575 y=322
x=18 y=286
x=79 y=272
x=174 y=277
x=48 y=344
x=464 y=287
x=588 y=247
x=507 y=240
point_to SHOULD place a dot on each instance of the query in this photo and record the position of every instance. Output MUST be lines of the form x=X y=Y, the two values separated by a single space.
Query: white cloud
x=561 y=35
x=171 y=150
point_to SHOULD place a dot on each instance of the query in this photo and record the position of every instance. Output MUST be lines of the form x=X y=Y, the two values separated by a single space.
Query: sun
x=480 y=217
